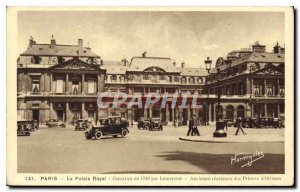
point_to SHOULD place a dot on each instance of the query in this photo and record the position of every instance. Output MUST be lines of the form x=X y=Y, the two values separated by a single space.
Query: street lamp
x=252 y=68
x=219 y=132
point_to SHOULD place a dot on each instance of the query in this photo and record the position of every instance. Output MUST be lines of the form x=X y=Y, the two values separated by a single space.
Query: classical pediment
x=76 y=64
x=271 y=69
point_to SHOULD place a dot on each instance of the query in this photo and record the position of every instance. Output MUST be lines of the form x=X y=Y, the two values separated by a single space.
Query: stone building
x=146 y=75
x=63 y=81
x=58 y=82
x=251 y=84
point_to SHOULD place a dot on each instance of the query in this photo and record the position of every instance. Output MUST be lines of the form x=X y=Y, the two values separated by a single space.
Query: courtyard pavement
x=63 y=150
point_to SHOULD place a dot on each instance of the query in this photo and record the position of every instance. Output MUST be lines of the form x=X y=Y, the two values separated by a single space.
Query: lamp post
x=219 y=132
x=252 y=68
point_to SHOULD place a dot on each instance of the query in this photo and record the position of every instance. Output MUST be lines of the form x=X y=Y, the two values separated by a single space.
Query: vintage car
x=55 y=123
x=82 y=124
x=110 y=126
x=248 y=122
x=155 y=124
x=23 y=127
x=144 y=123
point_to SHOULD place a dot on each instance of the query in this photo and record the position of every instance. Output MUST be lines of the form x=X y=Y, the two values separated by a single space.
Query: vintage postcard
x=150 y=96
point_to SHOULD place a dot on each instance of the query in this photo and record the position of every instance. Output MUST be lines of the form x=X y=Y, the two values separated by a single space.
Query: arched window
x=200 y=80
x=176 y=79
x=219 y=112
x=113 y=78
x=240 y=111
x=183 y=80
x=192 y=80
x=122 y=78
x=229 y=112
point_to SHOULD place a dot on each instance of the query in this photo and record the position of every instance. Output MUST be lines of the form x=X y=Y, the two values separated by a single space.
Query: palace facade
x=63 y=81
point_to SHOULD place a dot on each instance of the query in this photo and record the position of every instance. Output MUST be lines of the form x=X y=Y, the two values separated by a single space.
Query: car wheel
x=124 y=133
x=98 y=135
x=28 y=133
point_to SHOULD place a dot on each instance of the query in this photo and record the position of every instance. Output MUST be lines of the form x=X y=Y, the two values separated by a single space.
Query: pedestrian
x=191 y=126
x=239 y=126
x=195 y=130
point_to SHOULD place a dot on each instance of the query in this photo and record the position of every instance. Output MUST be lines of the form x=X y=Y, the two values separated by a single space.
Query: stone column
x=278 y=110
x=83 y=111
x=150 y=111
x=99 y=83
x=130 y=116
x=208 y=113
x=265 y=109
x=145 y=112
x=173 y=114
x=51 y=83
x=167 y=112
x=278 y=88
x=248 y=86
x=67 y=83
x=82 y=83
x=265 y=87
x=51 y=110
x=68 y=113
x=189 y=110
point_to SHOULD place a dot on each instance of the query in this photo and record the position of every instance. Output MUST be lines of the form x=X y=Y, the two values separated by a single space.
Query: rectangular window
x=35 y=86
x=75 y=87
x=59 y=86
x=256 y=90
x=269 y=90
x=91 y=87
x=91 y=114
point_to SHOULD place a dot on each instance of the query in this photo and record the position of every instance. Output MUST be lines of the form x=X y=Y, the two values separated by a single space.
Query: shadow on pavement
x=221 y=163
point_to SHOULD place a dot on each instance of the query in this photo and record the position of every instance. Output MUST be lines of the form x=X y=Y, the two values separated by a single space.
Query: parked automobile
x=23 y=127
x=110 y=126
x=82 y=124
x=249 y=122
x=155 y=124
x=143 y=123
x=55 y=123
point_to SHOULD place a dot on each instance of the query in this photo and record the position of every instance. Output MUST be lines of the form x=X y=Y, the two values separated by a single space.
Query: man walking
x=191 y=126
x=239 y=126
x=195 y=129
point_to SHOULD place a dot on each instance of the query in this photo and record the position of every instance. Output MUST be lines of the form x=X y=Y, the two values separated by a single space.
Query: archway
x=240 y=111
x=229 y=112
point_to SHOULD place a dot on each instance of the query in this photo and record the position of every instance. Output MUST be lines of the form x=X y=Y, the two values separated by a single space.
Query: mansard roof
x=256 y=58
x=142 y=63
x=193 y=72
x=58 y=50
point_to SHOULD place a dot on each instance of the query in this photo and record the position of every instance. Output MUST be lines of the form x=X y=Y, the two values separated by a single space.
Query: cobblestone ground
x=63 y=150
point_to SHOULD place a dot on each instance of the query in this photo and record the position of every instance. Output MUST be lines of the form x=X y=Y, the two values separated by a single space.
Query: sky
x=182 y=36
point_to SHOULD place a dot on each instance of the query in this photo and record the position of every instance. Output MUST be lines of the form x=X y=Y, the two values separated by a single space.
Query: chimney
x=276 y=48
x=80 y=45
x=52 y=42
x=31 y=42
x=145 y=54
x=174 y=63
x=182 y=64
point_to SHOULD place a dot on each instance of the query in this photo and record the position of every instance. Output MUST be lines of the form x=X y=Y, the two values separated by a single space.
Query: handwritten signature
x=246 y=157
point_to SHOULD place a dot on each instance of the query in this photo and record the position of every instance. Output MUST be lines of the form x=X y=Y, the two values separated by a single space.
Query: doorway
x=35 y=114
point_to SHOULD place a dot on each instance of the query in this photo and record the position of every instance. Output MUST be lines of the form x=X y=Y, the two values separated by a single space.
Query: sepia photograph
x=150 y=96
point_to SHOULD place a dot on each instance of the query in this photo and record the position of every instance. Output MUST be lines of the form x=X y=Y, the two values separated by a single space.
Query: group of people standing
x=194 y=123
